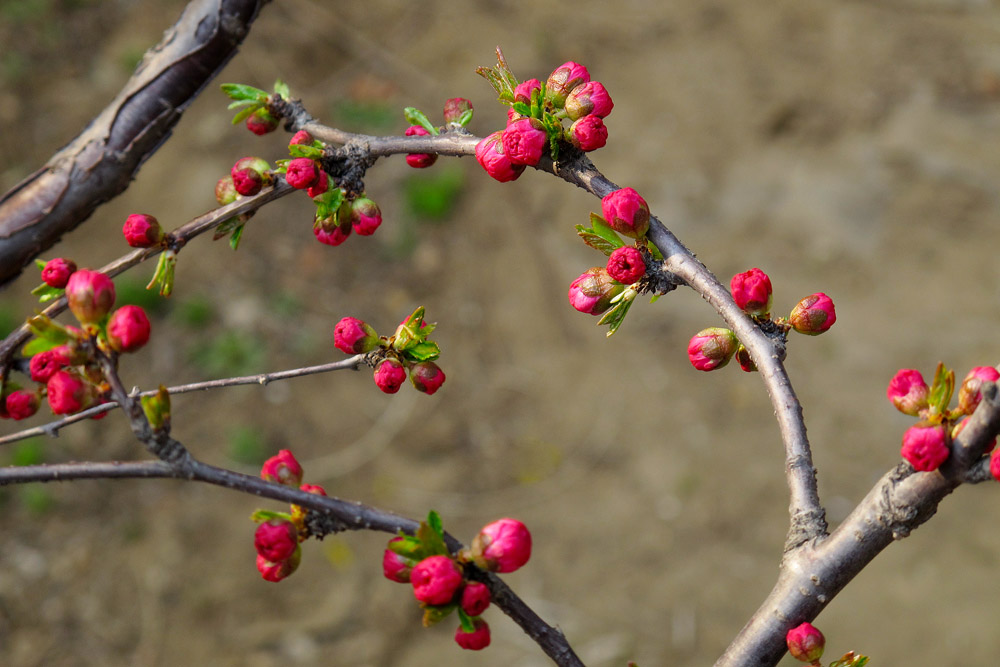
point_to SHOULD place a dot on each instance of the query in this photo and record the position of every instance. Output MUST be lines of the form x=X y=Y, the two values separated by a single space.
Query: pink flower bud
x=813 y=315
x=395 y=567
x=626 y=265
x=419 y=160
x=57 y=272
x=260 y=122
x=926 y=446
x=592 y=291
x=68 y=393
x=805 y=642
x=321 y=185
x=589 y=98
x=21 y=404
x=275 y=571
x=626 y=212
x=908 y=391
x=435 y=580
x=563 y=80
x=301 y=137
x=276 y=540
x=523 y=90
x=588 y=133
x=525 y=141
x=314 y=489
x=995 y=464
x=502 y=546
x=250 y=174
x=90 y=295
x=476 y=640
x=513 y=115
x=365 y=216
x=752 y=292
x=475 y=598
x=712 y=348
x=128 y=329
x=45 y=364
x=301 y=173
x=970 y=394
x=225 y=191
x=352 y=336
x=282 y=468
x=332 y=230
x=743 y=359
x=490 y=155
x=426 y=376
x=390 y=375
x=455 y=108
x=142 y=231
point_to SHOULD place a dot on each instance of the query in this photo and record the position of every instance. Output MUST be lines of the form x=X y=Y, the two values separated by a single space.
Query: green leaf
x=260 y=516
x=601 y=228
x=46 y=293
x=239 y=91
x=594 y=241
x=415 y=116
x=36 y=345
x=941 y=389
x=432 y=542
x=281 y=88
x=408 y=547
x=234 y=238
x=466 y=621
x=40 y=263
x=434 y=521
x=244 y=114
x=616 y=315
x=465 y=118
x=157 y=409
x=425 y=351
x=242 y=103
x=45 y=327
x=305 y=150
x=434 y=614
x=522 y=108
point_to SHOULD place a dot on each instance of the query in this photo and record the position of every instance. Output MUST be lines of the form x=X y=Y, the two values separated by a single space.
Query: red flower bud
x=68 y=393
x=995 y=464
x=419 y=160
x=21 y=404
x=395 y=567
x=390 y=375
x=476 y=640
x=276 y=540
x=45 y=364
x=475 y=598
x=128 y=329
x=301 y=173
x=970 y=394
x=365 y=216
x=142 y=231
x=276 y=571
x=250 y=174
x=588 y=133
x=752 y=292
x=588 y=99
x=525 y=141
x=260 y=122
x=426 y=376
x=813 y=315
x=523 y=90
x=712 y=348
x=225 y=191
x=90 y=295
x=592 y=291
x=455 y=108
x=282 y=468
x=491 y=156
x=314 y=489
x=926 y=446
x=626 y=265
x=321 y=185
x=563 y=80
x=743 y=359
x=908 y=391
x=435 y=580
x=57 y=272
x=301 y=137
x=332 y=230
x=502 y=546
x=352 y=336
x=805 y=643
x=626 y=212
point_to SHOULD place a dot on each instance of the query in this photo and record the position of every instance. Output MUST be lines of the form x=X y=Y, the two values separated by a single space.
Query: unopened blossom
x=525 y=141
x=475 y=598
x=225 y=191
x=908 y=391
x=250 y=174
x=68 y=393
x=455 y=108
x=57 y=271
x=502 y=546
x=712 y=348
x=419 y=160
x=282 y=468
x=426 y=377
x=491 y=156
x=390 y=375
x=743 y=359
x=626 y=212
x=588 y=133
x=563 y=80
x=301 y=173
x=805 y=642
x=21 y=404
x=590 y=98
x=354 y=336
x=995 y=464
x=128 y=329
x=276 y=539
x=395 y=567
x=45 y=364
x=593 y=291
x=366 y=216
x=752 y=292
x=476 y=640
x=332 y=230
x=435 y=580
x=523 y=90
x=321 y=185
x=275 y=571
x=301 y=137
x=142 y=231
x=261 y=122
x=926 y=446
x=90 y=295
x=626 y=265
x=813 y=315
x=970 y=393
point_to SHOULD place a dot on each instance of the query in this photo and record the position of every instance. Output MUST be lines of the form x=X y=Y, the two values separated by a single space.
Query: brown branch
x=101 y=161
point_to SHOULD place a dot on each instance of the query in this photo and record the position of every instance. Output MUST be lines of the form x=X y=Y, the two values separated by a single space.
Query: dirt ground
x=844 y=147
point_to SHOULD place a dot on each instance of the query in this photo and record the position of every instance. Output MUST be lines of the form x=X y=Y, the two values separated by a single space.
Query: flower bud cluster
x=927 y=444
x=713 y=348
x=441 y=581
x=535 y=121
x=279 y=535
x=408 y=351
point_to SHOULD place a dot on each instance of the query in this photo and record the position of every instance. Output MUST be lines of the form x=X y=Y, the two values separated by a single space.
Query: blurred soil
x=844 y=147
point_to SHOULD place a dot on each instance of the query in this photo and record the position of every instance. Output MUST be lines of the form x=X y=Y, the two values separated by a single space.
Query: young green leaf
x=36 y=345
x=281 y=88
x=466 y=621
x=433 y=543
x=434 y=521
x=245 y=113
x=415 y=116
x=305 y=150
x=239 y=91
x=425 y=351
x=234 y=238
x=594 y=241
x=46 y=293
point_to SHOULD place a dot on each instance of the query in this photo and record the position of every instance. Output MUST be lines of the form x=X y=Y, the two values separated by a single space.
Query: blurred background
x=844 y=147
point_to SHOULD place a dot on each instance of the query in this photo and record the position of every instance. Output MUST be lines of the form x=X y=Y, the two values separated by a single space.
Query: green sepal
x=433 y=614
x=239 y=91
x=163 y=276
x=616 y=315
x=245 y=113
x=432 y=541
x=468 y=625
x=281 y=88
x=261 y=516
x=46 y=293
x=465 y=118
x=408 y=547
x=305 y=150
x=522 y=108
x=415 y=116
x=36 y=345
x=941 y=390
x=157 y=409
x=425 y=351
